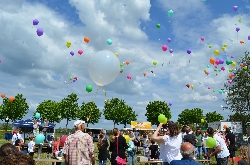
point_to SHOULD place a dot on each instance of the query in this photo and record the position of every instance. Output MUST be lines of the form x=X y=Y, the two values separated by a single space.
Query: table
x=204 y=161
x=152 y=161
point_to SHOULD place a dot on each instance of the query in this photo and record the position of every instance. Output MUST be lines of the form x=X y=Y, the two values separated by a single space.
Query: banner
x=141 y=125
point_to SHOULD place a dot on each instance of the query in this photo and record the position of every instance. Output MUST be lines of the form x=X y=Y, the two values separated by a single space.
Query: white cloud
x=21 y=85
x=143 y=103
x=156 y=97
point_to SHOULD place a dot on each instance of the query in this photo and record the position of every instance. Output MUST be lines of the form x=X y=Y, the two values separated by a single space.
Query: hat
x=103 y=131
x=14 y=131
x=78 y=123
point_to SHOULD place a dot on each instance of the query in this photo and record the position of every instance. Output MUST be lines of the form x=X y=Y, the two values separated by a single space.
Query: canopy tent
x=29 y=123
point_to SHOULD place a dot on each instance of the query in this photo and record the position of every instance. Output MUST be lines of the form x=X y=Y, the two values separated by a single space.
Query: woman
x=198 y=147
x=244 y=156
x=118 y=147
x=35 y=128
x=172 y=142
x=103 y=150
x=19 y=145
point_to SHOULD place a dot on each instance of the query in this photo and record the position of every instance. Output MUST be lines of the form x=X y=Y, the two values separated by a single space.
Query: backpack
x=131 y=146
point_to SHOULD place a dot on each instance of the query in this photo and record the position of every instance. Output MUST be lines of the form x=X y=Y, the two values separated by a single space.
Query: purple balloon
x=72 y=53
x=35 y=22
x=221 y=61
x=237 y=29
x=235 y=8
x=249 y=37
x=232 y=56
x=189 y=51
x=171 y=50
x=248 y=66
x=169 y=39
x=170 y=104
x=74 y=80
x=39 y=32
x=244 y=63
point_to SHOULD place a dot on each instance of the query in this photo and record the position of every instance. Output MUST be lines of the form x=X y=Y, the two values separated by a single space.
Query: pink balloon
x=217 y=62
x=80 y=52
x=129 y=77
x=164 y=47
x=202 y=38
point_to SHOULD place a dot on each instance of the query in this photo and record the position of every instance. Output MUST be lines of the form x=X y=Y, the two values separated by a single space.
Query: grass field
x=3 y=141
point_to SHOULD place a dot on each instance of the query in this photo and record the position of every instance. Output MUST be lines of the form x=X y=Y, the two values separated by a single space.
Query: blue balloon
x=39 y=138
x=109 y=42
x=37 y=116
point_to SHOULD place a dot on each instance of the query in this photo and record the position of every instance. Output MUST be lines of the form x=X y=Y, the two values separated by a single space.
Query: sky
x=40 y=67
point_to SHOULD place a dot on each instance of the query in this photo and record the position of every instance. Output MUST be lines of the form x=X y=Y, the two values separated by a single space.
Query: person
x=231 y=143
x=205 y=147
x=172 y=142
x=198 y=146
x=187 y=152
x=31 y=147
x=103 y=149
x=19 y=145
x=153 y=150
x=131 y=152
x=189 y=137
x=244 y=156
x=16 y=136
x=117 y=147
x=56 y=148
x=220 y=148
x=78 y=147
x=248 y=132
x=35 y=128
x=45 y=127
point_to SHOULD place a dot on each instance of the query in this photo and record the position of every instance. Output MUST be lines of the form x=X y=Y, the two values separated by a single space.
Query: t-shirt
x=31 y=145
x=243 y=162
x=136 y=134
x=56 y=144
x=205 y=141
x=231 y=138
x=199 y=138
x=190 y=138
x=153 y=148
x=224 y=150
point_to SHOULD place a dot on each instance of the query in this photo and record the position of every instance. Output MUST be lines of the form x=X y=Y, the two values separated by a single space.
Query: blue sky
x=37 y=67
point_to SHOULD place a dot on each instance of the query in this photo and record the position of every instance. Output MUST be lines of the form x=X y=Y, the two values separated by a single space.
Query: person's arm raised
x=155 y=137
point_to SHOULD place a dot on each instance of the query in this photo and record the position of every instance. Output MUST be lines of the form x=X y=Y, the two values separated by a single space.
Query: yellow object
x=116 y=54
x=202 y=120
x=127 y=138
x=141 y=125
x=216 y=52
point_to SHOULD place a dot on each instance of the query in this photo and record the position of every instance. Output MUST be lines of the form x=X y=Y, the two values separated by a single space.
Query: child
x=31 y=147
x=56 y=149
x=131 y=152
x=244 y=156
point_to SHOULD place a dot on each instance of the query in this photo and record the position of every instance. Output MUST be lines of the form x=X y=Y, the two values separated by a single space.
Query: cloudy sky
x=38 y=67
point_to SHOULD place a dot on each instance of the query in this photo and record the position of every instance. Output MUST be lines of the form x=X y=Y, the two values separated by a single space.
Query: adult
x=231 y=143
x=198 y=147
x=16 y=135
x=189 y=137
x=78 y=147
x=187 y=152
x=220 y=148
x=35 y=128
x=118 y=146
x=103 y=149
x=19 y=145
x=45 y=127
x=248 y=132
x=172 y=142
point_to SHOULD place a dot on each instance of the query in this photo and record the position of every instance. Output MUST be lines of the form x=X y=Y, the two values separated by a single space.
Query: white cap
x=78 y=123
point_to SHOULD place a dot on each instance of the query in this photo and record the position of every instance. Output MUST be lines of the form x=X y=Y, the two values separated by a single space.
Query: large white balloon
x=104 y=67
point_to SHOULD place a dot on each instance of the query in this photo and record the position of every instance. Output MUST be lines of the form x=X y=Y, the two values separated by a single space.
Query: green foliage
x=49 y=109
x=15 y=110
x=89 y=112
x=213 y=116
x=69 y=107
x=118 y=111
x=238 y=93
x=190 y=116
x=154 y=109
x=243 y=117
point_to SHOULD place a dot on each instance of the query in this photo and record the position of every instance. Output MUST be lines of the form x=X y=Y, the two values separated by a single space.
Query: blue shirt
x=185 y=161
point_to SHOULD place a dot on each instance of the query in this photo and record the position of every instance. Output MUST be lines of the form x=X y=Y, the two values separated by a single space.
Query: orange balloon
x=212 y=61
x=121 y=71
x=127 y=62
x=230 y=76
x=86 y=39
x=144 y=73
x=12 y=98
x=3 y=95
x=242 y=42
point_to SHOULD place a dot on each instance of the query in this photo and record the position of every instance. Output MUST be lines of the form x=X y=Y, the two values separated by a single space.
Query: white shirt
x=162 y=151
x=204 y=139
x=220 y=142
x=31 y=145
x=172 y=148
x=15 y=137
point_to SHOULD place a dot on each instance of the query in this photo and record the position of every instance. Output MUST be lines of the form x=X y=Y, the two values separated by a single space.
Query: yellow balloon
x=166 y=120
x=192 y=86
x=202 y=120
x=127 y=138
x=225 y=45
x=216 y=52
x=223 y=48
x=116 y=54
x=233 y=64
x=68 y=43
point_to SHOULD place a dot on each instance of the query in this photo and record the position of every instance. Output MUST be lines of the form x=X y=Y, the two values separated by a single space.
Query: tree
x=244 y=118
x=50 y=109
x=89 y=112
x=154 y=109
x=213 y=116
x=14 y=110
x=188 y=116
x=69 y=107
x=128 y=115
x=238 y=89
x=118 y=111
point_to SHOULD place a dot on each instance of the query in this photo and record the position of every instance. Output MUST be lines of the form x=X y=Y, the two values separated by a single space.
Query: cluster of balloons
x=39 y=31
x=12 y=98
x=190 y=86
x=74 y=79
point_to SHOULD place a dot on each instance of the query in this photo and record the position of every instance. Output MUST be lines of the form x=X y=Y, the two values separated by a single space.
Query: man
x=231 y=143
x=187 y=152
x=16 y=136
x=248 y=132
x=220 y=148
x=79 y=147
x=189 y=137
x=45 y=127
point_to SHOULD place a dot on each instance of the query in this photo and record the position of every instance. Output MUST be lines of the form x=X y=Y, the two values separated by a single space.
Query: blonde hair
x=99 y=144
x=244 y=153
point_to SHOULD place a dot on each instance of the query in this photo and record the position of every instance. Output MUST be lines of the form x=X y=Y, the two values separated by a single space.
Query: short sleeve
x=166 y=139
x=65 y=147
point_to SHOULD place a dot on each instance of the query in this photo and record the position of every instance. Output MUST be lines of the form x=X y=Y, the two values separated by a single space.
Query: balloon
x=217 y=62
x=127 y=62
x=144 y=74
x=242 y=42
x=161 y=118
x=248 y=37
x=103 y=67
x=70 y=77
x=237 y=29
x=39 y=138
x=221 y=61
x=171 y=50
x=164 y=47
x=202 y=120
x=165 y=122
x=109 y=42
x=127 y=138
x=39 y=32
x=169 y=39
x=216 y=52
x=80 y=52
x=86 y=39
x=192 y=86
x=35 y=22
x=211 y=142
x=212 y=61
x=72 y=53
x=158 y=25
x=189 y=51
x=63 y=139
x=154 y=63
x=170 y=104
x=235 y=8
x=170 y=13
x=202 y=38
x=3 y=95
x=12 y=98
x=129 y=77
x=188 y=85
x=116 y=54
x=74 y=80
x=210 y=46
x=37 y=116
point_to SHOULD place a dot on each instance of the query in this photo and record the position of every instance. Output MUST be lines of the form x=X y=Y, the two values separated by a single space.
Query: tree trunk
x=67 y=122
x=114 y=124
x=87 y=125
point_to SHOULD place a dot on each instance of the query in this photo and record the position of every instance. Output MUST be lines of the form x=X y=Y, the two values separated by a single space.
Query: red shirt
x=56 y=144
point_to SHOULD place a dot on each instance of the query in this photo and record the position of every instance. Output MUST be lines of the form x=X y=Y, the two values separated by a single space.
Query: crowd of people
x=168 y=144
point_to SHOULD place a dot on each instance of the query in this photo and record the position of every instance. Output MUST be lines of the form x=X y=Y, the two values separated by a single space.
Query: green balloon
x=70 y=77
x=158 y=25
x=161 y=118
x=245 y=67
x=89 y=88
x=211 y=142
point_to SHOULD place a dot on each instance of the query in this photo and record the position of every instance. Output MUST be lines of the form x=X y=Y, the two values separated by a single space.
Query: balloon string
x=103 y=92
x=96 y=94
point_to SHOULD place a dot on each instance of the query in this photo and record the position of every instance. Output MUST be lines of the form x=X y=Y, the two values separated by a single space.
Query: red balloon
x=63 y=139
